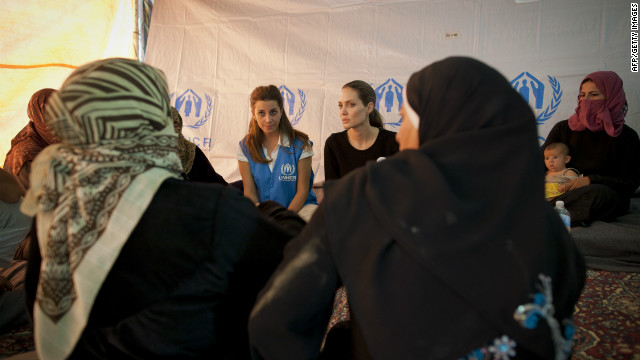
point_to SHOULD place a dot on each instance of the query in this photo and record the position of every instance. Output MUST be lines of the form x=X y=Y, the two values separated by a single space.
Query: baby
x=556 y=157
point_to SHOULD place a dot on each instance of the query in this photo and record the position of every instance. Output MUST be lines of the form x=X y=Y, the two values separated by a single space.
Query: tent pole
x=140 y=29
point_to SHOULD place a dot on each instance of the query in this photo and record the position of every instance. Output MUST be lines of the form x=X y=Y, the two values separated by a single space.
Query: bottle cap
x=559 y=203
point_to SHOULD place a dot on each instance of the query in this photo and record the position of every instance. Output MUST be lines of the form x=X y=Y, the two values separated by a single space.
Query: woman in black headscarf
x=448 y=249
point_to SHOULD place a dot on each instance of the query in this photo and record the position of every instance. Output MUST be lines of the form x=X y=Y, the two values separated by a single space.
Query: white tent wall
x=43 y=41
x=215 y=52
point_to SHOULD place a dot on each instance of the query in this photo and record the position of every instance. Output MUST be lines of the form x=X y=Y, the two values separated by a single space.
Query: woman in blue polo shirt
x=274 y=159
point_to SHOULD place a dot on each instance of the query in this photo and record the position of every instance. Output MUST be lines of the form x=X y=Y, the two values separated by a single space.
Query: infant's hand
x=575 y=184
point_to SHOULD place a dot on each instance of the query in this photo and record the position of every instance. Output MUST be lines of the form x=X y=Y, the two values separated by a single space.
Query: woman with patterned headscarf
x=448 y=248
x=137 y=263
x=603 y=148
x=194 y=162
x=30 y=140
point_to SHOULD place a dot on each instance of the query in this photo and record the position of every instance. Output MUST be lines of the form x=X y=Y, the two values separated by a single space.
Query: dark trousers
x=594 y=202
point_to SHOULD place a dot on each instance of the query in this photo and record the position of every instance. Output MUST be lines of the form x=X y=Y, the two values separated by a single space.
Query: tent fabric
x=39 y=49
x=215 y=52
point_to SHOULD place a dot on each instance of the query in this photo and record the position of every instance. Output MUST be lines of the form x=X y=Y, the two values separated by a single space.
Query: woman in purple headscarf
x=603 y=148
x=30 y=140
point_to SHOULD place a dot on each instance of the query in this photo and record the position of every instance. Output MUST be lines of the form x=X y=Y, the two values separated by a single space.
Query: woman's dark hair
x=367 y=95
x=255 y=137
x=586 y=81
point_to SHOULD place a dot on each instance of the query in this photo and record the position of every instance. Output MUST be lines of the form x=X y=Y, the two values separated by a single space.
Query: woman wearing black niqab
x=447 y=250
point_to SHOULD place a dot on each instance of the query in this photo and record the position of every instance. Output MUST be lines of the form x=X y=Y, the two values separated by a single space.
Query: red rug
x=16 y=341
x=608 y=317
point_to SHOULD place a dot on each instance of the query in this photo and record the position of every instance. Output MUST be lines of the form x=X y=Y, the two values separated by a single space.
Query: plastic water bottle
x=564 y=214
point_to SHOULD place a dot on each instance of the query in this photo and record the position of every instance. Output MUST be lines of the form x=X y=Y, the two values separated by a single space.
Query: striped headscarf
x=118 y=146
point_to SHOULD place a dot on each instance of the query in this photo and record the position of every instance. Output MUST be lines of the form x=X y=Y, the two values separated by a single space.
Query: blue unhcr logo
x=533 y=90
x=190 y=107
x=290 y=106
x=389 y=98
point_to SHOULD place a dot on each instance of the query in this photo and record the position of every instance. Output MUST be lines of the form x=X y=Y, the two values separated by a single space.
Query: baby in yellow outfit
x=556 y=157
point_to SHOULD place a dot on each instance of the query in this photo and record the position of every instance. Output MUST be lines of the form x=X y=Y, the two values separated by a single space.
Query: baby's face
x=555 y=160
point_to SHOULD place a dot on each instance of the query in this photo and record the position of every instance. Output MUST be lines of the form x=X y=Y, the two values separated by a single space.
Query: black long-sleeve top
x=340 y=157
x=611 y=161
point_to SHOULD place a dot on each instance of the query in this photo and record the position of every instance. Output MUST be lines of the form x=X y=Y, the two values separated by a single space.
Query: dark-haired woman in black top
x=364 y=137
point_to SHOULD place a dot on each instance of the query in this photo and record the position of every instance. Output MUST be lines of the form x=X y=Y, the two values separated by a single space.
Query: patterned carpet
x=608 y=317
x=17 y=341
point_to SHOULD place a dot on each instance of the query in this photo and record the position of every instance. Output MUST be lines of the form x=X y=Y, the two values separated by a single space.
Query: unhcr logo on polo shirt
x=287 y=170
x=292 y=107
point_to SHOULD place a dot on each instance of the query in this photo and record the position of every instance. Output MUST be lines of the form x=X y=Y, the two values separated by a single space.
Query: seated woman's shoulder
x=629 y=131
x=193 y=189
x=387 y=133
x=337 y=135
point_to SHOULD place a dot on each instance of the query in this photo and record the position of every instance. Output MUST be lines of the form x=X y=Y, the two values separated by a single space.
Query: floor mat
x=17 y=341
x=608 y=317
